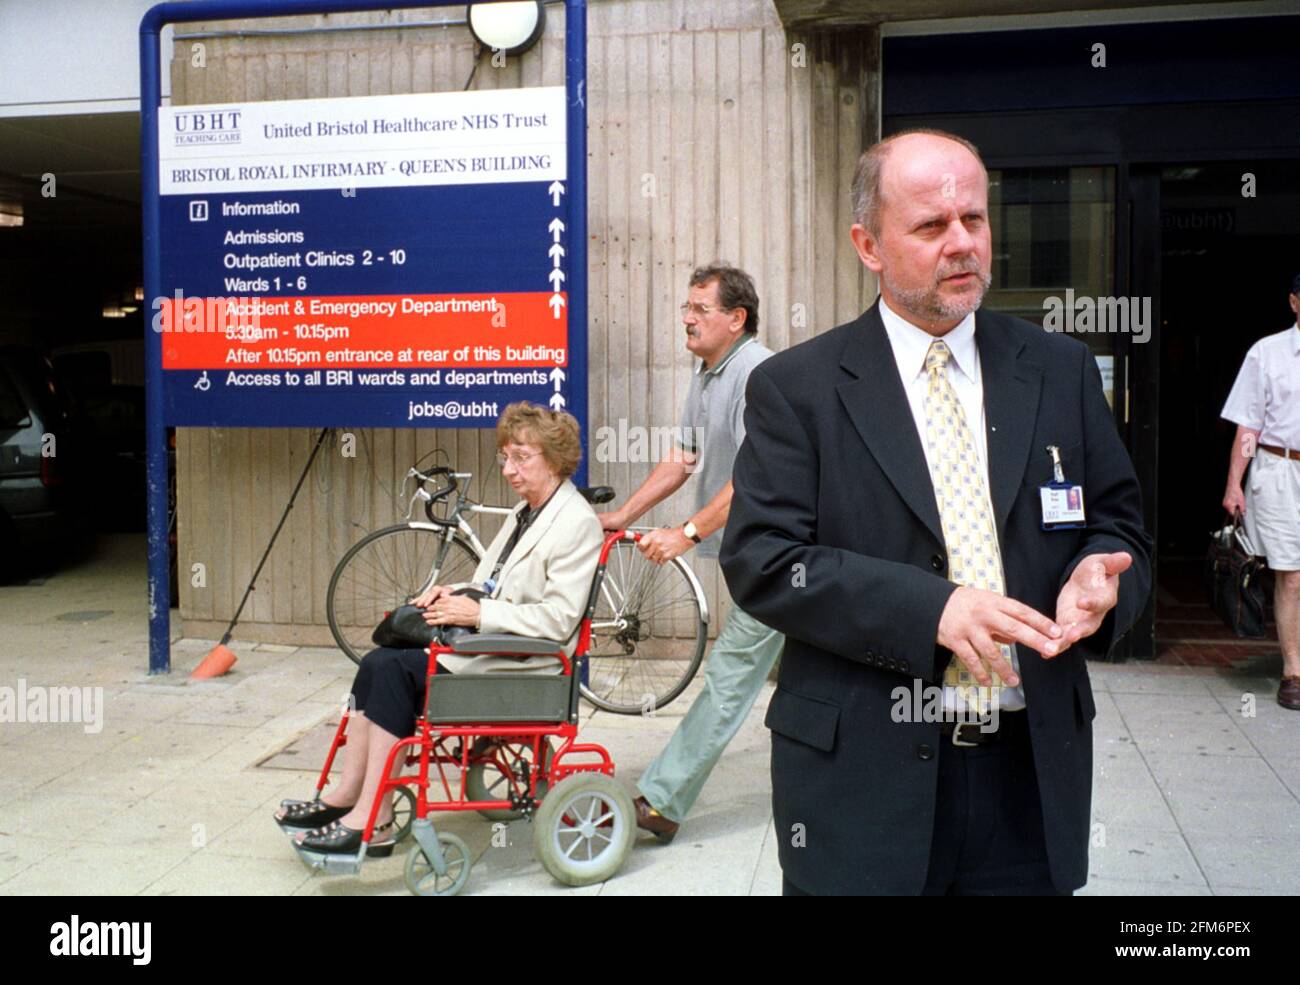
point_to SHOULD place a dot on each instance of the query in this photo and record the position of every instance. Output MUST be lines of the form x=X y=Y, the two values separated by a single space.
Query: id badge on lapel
x=1062 y=501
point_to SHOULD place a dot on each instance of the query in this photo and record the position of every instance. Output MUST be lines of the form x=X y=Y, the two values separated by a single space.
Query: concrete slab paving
x=1196 y=779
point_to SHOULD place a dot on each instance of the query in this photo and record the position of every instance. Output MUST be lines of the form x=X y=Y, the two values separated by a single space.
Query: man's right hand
x=611 y=521
x=1234 y=501
x=975 y=622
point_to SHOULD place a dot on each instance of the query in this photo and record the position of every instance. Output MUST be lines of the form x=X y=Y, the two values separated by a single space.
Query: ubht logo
x=207 y=127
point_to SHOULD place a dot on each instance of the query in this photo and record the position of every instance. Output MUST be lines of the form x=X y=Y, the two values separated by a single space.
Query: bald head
x=922 y=226
x=869 y=179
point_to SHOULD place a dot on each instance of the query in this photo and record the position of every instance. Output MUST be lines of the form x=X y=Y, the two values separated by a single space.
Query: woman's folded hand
x=452 y=610
x=428 y=597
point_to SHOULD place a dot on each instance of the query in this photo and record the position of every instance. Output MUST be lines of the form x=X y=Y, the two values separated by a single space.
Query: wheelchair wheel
x=648 y=633
x=495 y=772
x=403 y=812
x=584 y=829
x=422 y=880
x=386 y=569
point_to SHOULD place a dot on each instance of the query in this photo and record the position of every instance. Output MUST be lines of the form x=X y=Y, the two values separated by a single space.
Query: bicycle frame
x=618 y=625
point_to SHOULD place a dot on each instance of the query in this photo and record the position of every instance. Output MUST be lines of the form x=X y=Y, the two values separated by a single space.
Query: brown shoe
x=1288 y=696
x=649 y=819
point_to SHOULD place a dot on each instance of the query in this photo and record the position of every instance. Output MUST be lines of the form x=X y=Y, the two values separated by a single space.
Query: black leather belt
x=967 y=735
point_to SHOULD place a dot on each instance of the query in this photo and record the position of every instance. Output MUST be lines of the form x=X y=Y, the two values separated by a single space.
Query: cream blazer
x=543 y=588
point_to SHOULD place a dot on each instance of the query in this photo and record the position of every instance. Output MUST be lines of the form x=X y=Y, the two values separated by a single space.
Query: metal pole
x=155 y=428
x=575 y=81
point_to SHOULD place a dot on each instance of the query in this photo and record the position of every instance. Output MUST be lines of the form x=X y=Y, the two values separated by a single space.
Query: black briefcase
x=1234 y=580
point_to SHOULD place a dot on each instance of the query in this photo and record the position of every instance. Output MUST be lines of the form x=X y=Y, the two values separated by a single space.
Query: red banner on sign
x=511 y=329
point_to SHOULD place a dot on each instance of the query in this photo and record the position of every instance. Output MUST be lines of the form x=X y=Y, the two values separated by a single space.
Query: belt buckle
x=958 y=741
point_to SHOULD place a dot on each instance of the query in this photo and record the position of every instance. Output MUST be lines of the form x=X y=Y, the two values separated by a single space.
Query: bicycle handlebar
x=438 y=473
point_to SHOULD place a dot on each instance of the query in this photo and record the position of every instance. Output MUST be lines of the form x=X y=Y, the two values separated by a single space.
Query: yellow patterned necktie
x=965 y=510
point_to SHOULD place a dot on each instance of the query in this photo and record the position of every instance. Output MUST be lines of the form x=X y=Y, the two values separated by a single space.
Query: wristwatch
x=688 y=528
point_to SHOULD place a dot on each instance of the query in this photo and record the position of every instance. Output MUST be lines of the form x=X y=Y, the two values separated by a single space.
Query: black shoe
x=309 y=815
x=339 y=839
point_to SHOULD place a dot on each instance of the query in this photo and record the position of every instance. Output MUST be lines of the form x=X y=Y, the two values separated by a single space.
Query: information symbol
x=199 y=211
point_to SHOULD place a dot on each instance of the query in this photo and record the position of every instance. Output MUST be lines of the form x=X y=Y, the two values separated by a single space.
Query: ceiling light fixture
x=511 y=27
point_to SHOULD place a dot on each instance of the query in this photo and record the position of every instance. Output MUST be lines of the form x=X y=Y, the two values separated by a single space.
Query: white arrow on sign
x=556 y=401
x=555 y=228
x=556 y=303
x=556 y=278
x=555 y=191
x=555 y=253
x=557 y=377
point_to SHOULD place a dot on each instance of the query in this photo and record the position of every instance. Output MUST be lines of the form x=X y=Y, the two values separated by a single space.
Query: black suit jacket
x=834 y=540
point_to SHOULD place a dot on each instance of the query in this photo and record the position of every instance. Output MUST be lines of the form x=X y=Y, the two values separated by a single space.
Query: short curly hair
x=556 y=432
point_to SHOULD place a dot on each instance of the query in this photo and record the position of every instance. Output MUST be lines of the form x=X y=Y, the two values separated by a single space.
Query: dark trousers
x=390 y=686
x=988 y=827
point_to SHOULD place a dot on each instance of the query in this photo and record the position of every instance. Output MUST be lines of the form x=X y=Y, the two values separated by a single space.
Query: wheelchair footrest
x=334 y=864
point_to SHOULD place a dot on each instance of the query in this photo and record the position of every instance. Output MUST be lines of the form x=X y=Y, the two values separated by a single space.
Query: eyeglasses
x=700 y=310
x=516 y=459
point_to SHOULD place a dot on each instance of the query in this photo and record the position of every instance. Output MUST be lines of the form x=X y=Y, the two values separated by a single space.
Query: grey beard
x=928 y=305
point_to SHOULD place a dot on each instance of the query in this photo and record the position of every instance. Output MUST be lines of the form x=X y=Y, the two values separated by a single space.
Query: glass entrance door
x=1053 y=247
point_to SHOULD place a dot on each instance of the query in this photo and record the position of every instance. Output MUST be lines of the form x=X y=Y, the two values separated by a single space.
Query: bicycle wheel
x=386 y=569
x=648 y=633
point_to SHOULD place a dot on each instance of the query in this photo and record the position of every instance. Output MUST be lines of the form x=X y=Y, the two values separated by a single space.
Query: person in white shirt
x=1265 y=406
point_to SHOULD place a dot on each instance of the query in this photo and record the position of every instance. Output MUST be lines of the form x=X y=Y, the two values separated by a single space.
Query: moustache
x=964 y=267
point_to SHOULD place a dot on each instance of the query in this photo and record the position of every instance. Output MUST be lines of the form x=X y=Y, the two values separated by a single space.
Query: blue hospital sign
x=382 y=261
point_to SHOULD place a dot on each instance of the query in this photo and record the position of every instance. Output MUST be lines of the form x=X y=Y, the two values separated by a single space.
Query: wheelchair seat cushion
x=504 y=643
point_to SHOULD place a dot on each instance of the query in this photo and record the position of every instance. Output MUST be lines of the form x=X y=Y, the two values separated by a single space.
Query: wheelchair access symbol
x=203 y=383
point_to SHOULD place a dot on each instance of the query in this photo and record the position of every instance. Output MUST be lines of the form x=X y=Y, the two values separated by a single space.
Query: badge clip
x=1061 y=501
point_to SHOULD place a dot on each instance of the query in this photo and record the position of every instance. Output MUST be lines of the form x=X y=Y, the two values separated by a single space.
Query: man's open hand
x=1091 y=592
x=975 y=622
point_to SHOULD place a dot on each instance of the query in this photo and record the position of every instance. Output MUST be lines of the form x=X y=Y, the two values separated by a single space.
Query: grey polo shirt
x=714 y=419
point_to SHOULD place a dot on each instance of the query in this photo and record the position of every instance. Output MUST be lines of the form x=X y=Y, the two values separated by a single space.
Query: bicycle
x=649 y=628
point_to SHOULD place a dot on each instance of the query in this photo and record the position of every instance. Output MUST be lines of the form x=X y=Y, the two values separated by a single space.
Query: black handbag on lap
x=1234 y=577
x=405 y=628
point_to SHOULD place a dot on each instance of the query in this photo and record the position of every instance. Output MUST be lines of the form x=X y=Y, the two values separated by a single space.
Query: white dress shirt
x=911 y=345
x=1266 y=396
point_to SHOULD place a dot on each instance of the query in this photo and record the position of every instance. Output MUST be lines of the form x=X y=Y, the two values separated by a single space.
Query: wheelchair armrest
x=505 y=643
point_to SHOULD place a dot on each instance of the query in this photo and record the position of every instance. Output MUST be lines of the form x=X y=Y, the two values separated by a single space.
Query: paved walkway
x=1197 y=781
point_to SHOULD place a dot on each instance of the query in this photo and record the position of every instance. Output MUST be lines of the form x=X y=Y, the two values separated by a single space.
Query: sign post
x=382 y=261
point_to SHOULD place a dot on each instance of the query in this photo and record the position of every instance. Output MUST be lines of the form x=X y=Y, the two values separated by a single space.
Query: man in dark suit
x=932 y=725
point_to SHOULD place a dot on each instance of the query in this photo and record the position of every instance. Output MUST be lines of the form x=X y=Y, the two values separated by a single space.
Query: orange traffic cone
x=216 y=663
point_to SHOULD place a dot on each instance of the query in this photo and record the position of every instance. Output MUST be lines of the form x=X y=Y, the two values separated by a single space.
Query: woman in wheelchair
x=535 y=575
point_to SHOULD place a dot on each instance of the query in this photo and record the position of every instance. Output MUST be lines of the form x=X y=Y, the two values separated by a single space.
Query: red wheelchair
x=504 y=745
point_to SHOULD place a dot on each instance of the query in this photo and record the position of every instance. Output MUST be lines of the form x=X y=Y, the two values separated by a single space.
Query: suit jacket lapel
x=539 y=526
x=1011 y=391
x=877 y=405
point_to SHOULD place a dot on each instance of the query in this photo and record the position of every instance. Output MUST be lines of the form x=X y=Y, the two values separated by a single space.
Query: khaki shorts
x=1273 y=509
